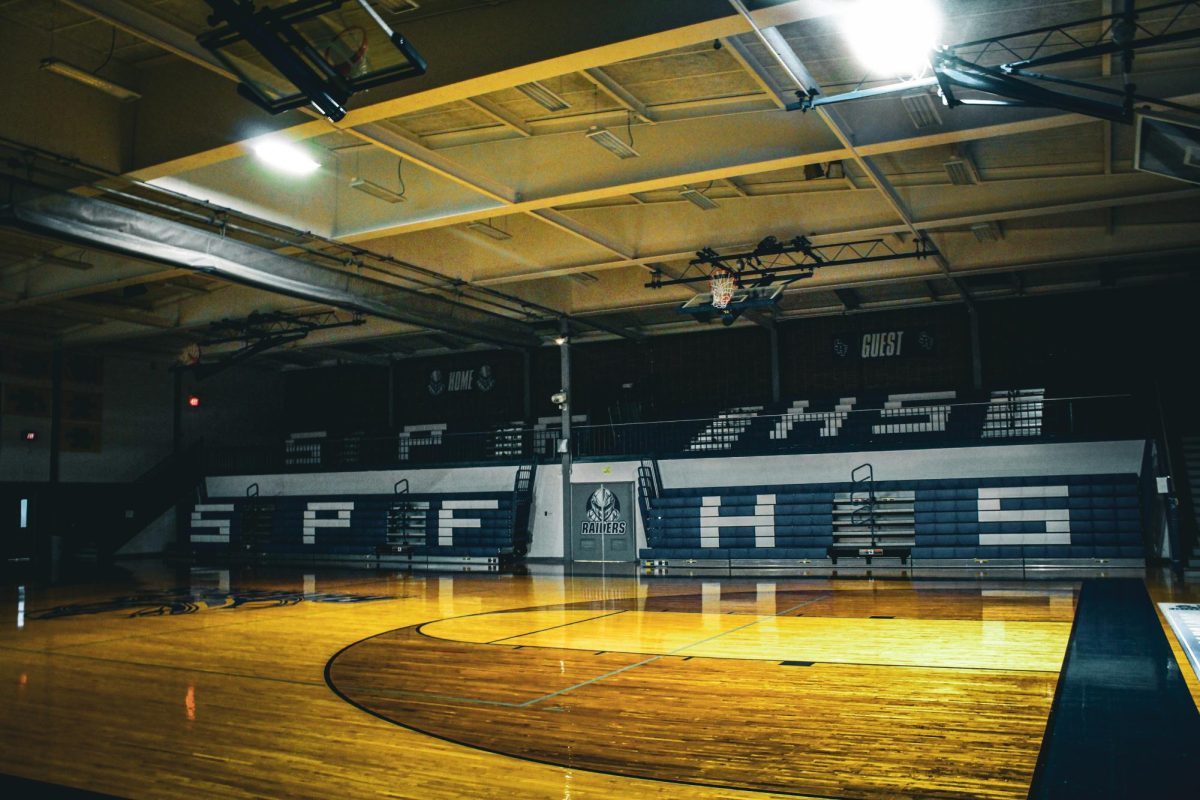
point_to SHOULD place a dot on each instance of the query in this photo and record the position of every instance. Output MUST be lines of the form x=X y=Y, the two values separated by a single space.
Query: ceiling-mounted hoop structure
x=293 y=56
x=1018 y=83
x=774 y=261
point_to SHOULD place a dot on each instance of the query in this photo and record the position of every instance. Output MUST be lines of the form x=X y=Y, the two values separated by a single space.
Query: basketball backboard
x=744 y=298
x=308 y=51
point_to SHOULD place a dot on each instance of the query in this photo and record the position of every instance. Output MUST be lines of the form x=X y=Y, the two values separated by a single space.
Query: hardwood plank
x=231 y=700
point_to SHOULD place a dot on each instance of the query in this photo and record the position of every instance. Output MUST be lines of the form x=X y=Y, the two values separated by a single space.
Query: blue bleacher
x=365 y=529
x=1094 y=517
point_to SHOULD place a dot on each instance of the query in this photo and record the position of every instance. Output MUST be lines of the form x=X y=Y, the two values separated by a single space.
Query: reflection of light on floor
x=189 y=703
x=710 y=598
x=765 y=599
x=1185 y=621
x=20 y=607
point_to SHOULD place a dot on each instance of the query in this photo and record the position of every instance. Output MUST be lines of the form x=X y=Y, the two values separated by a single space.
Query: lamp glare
x=892 y=38
x=285 y=157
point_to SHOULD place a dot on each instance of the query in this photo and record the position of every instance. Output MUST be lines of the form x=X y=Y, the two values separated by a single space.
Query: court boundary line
x=479 y=748
x=531 y=633
x=674 y=652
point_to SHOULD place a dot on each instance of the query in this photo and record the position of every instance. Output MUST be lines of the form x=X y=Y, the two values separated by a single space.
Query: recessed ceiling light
x=285 y=157
x=892 y=38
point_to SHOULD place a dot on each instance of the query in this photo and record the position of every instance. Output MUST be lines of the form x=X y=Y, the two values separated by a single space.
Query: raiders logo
x=603 y=513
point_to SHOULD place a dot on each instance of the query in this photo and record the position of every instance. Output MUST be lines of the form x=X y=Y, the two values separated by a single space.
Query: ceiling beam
x=603 y=81
x=849 y=234
x=501 y=115
x=564 y=223
x=148 y=27
x=759 y=73
x=400 y=145
x=111 y=311
x=96 y=287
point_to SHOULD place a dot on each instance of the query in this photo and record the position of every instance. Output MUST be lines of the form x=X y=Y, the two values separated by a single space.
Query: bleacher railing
x=924 y=424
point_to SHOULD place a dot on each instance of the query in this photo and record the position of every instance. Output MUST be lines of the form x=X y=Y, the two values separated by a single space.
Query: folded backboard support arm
x=273 y=33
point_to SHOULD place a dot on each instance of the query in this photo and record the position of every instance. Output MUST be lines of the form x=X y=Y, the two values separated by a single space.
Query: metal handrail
x=1054 y=418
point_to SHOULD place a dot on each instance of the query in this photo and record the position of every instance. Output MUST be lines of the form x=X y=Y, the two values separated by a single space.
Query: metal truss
x=1017 y=82
x=263 y=331
x=790 y=261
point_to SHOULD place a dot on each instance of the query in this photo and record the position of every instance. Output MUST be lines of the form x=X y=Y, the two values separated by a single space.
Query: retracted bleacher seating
x=465 y=528
x=1077 y=521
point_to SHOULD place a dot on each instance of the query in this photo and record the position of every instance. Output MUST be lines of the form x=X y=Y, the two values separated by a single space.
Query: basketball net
x=189 y=356
x=347 y=53
x=722 y=284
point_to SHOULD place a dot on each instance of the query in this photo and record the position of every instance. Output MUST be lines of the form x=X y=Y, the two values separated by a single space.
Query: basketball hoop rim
x=722 y=282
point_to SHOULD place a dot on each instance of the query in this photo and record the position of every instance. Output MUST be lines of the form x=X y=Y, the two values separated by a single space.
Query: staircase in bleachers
x=870 y=525
x=522 y=503
x=254 y=532
x=406 y=520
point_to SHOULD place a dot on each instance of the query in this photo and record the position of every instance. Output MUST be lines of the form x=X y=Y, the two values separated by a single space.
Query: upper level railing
x=737 y=432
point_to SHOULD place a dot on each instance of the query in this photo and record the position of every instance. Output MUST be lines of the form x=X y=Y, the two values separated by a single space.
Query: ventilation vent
x=962 y=171
x=987 y=231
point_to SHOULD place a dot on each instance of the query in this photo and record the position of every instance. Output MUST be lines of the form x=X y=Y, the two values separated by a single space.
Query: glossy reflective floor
x=157 y=682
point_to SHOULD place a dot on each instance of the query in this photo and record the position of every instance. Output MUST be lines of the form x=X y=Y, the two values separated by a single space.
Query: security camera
x=559 y=399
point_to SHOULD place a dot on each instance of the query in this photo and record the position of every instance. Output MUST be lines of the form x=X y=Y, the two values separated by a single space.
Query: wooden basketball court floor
x=177 y=682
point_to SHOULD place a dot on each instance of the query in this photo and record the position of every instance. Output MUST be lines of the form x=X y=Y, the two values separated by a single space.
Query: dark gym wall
x=1104 y=341
x=822 y=357
x=483 y=387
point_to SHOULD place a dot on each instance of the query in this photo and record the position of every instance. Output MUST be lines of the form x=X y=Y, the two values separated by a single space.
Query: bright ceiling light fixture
x=893 y=38
x=285 y=157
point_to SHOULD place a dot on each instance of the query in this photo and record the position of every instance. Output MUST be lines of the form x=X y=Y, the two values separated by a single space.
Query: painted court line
x=556 y=627
x=677 y=650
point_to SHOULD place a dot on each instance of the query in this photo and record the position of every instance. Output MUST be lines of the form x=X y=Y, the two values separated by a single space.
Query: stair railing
x=864 y=475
